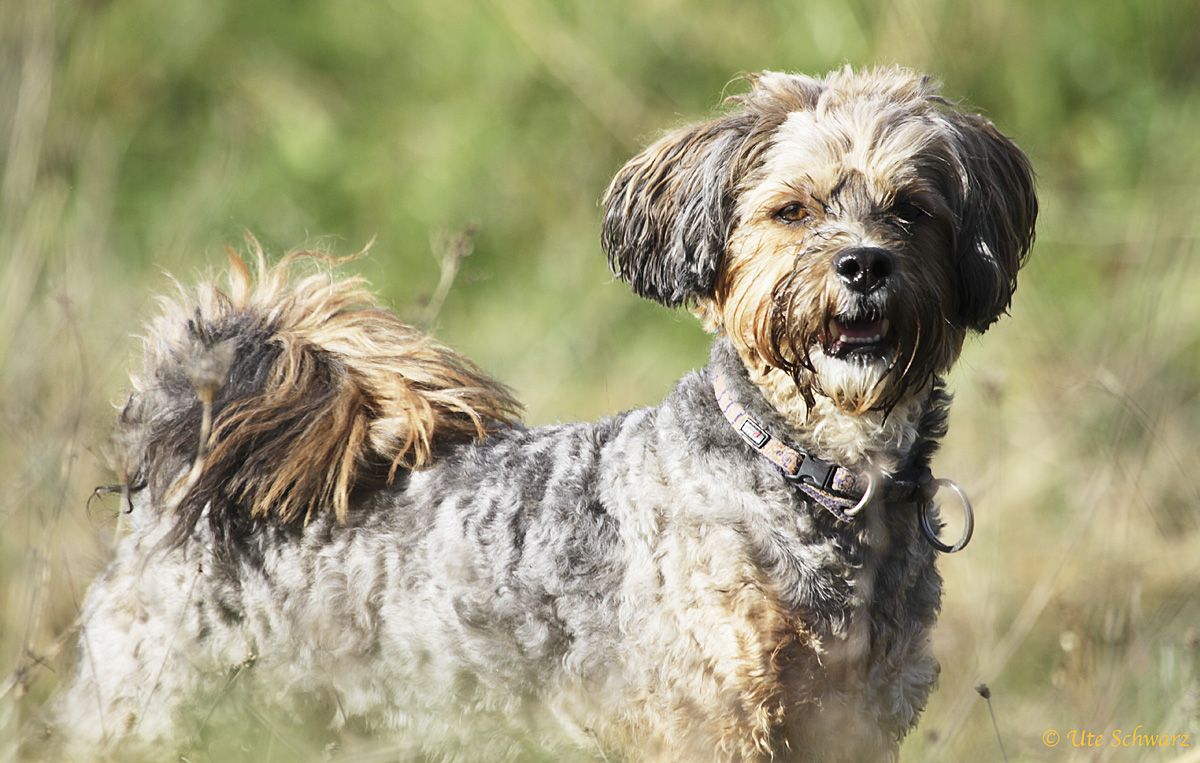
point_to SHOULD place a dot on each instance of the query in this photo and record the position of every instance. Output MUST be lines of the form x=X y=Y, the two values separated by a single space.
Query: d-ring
x=865 y=501
x=968 y=518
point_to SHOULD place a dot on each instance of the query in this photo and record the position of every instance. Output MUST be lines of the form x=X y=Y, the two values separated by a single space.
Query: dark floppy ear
x=997 y=212
x=669 y=210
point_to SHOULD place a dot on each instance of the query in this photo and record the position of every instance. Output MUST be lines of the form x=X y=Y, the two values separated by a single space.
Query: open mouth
x=862 y=337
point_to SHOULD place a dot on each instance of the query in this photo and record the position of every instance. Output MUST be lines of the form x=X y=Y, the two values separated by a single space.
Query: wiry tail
x=279 y=396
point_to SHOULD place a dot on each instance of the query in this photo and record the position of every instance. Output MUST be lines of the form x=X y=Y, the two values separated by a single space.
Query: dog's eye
x=907 y=212
x=792 y=213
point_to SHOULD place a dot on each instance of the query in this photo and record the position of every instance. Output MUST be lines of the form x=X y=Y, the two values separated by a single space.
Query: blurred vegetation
x=138 y=136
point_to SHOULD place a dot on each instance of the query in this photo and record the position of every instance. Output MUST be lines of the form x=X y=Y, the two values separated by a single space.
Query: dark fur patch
x=997 y=213
x=669 y=211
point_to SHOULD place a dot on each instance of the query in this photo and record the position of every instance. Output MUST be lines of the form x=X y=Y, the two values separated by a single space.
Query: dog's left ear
x=669 y=210
x=997 y=212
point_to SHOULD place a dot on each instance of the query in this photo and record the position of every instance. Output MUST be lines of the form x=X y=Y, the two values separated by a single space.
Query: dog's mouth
x=858 y=336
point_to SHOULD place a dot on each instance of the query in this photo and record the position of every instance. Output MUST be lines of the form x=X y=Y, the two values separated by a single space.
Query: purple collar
x=837 y=489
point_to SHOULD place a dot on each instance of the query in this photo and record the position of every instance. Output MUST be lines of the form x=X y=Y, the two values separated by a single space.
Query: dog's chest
x=828 y=642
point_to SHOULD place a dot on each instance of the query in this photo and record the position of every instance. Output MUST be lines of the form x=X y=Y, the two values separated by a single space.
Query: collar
x=840 y=491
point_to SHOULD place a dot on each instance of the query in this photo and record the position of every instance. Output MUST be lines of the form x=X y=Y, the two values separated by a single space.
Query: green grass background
x=140 y=136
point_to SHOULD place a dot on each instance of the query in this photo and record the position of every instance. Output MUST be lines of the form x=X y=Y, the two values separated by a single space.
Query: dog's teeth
x=854 y=331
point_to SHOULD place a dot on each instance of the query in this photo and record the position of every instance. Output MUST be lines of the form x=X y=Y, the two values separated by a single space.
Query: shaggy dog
x=337 y=519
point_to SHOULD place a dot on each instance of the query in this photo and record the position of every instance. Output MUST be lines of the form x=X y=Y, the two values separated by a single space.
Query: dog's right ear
x=669 y=210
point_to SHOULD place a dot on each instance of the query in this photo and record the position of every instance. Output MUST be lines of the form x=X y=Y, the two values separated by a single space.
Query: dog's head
x=847 y=230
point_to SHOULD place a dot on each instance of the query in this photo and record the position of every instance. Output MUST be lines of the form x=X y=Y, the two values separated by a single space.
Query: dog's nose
x=863 y=269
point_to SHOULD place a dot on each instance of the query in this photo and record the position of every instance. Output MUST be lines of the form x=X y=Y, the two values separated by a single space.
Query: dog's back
x=336 y=520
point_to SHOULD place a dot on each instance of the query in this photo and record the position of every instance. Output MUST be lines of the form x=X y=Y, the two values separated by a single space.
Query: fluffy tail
x=280 y=396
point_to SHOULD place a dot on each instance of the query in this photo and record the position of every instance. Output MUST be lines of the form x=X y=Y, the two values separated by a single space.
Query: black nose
x=864 y=268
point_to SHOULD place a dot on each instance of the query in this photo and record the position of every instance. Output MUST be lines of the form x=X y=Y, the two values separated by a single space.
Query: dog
x=336 y=518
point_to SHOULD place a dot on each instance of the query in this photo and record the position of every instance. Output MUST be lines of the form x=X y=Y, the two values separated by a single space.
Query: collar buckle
x=815 y=472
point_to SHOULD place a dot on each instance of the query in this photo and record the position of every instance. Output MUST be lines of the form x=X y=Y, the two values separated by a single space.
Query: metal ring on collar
x=931 y=533
x=868 y=496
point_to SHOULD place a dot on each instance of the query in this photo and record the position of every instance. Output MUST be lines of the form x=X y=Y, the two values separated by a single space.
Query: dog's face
x=848 y=231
